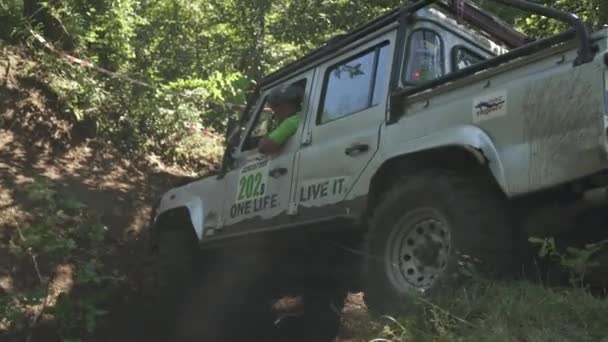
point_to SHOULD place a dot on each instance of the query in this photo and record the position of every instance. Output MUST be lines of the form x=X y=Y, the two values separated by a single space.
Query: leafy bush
x=84 y=95
x=12 y=21
x=160 y=121
x=199 y=55
x=198 y=150
x=577 y=261
x=485 y=311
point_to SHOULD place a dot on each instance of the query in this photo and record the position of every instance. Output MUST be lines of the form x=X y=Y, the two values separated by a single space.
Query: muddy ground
x=37 y=141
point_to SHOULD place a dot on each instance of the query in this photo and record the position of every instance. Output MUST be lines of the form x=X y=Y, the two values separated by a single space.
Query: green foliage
x=197 y=150
x=83 y=94
x=588 y=10
x=593 y=12
x=488 y=311
x=13 y=308
x=577 y=261
x=200 y=54
x=77 y=315
x=63 y=232
x=197 y=54
x=12 y=25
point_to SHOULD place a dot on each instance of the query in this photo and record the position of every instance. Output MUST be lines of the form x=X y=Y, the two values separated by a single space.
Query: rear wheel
x=426 y=228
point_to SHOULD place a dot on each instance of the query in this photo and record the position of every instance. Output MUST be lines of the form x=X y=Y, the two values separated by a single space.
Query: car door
x=259 y=187
x=343 y=134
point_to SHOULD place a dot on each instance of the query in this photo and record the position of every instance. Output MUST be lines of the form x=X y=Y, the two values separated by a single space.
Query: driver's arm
x=274 y=141
x=268 y=146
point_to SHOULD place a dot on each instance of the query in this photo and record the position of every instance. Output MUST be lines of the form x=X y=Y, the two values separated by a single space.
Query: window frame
x=375 y=49
x=406 y=57
x=252 y=125
x=265 y=94
x=454 y=51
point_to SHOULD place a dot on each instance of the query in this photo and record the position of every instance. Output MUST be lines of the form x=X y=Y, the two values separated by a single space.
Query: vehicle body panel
x=326 y=169
x=205 y=211
x=546 y=133
x=278 y=173
x=537 y=121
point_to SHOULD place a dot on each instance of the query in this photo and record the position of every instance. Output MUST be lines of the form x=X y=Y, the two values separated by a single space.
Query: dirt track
x=37 y=142
x=123 y=194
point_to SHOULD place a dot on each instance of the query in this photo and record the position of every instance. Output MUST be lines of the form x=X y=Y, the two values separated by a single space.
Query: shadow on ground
x=122 y=195
x=37 y=143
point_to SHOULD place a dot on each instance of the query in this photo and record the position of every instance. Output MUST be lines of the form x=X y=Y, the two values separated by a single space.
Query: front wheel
x=175 y=275
x=426 y=228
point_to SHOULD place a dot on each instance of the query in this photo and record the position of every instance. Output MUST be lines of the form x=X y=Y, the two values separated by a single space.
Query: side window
x=265 y=120
x=425 y=56
x=354 y=85
x=463 y=57
x=382 y=75
x=263 y=124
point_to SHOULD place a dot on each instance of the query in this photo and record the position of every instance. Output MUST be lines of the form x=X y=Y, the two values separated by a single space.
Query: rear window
x=463 y=58
x=355 y=84
x=424 y=57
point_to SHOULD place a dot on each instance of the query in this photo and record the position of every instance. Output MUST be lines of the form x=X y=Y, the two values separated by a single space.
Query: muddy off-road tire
x=175 y=274
x=425 y=227
x=229 y=300
x=177 y=257
x=202 y=294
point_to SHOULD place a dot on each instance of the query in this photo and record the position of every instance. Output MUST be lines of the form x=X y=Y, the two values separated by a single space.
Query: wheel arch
x=178 y=218
x=461 y=157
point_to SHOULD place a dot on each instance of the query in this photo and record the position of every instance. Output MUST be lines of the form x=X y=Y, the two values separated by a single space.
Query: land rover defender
x=428 y=136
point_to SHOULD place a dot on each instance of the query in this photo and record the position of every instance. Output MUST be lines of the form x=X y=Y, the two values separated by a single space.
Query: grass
x=67 y=234
x=483 y=311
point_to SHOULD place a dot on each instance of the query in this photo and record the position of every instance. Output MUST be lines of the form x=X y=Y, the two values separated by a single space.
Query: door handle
x=278 y=172
x=356 y=149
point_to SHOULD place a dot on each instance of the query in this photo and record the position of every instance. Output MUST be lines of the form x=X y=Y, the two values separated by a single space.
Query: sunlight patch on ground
x=63 y=281
x=6 y=284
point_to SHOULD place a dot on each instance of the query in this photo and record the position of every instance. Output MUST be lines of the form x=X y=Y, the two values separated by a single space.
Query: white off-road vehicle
x=428 y=137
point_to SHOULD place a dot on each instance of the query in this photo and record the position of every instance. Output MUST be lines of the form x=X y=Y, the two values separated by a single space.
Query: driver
x=285 y=103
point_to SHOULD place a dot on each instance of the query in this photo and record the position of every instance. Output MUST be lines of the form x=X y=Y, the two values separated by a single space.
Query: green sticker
x=252 y=181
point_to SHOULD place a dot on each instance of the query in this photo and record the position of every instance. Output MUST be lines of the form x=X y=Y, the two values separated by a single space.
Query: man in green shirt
x=285 y=103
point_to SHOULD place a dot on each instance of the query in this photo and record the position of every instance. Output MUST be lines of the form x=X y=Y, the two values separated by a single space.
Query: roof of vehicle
x=485 y=23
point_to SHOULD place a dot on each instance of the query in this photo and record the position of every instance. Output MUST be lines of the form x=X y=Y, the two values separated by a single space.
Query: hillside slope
x=67 y=197
x=45 y=157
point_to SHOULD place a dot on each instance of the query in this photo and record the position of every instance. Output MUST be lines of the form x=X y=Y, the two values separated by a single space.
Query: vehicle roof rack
x=472 y=14
x=489 y=23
